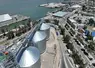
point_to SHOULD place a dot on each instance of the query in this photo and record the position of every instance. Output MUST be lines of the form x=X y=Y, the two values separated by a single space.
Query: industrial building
x=8 y=22
x=60 y=14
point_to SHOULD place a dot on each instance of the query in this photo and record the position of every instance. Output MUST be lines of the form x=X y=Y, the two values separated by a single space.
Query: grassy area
x=2 y=57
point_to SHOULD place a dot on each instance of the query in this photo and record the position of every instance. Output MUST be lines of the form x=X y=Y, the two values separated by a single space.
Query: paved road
x=65 y=56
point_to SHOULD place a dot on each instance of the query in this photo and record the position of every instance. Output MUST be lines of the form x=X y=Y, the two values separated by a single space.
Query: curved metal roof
x=29 y=57
x=39 y=35
x=44 y=26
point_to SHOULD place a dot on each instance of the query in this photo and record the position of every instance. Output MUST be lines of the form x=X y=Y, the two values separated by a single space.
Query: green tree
x=91 y=21
x=82 y=66
x=47 y=20
x=59 y=27
x=85 y=27
x=79 y=21
x=19 y=32
x=61 y=9
x=62 y=31
x=23 y=29
x=34 y=23
x=67 y=39
x=3 y=31
x=77 y=58
x=70 y=46
x=91 y=46
x=90 y=37
x=56 y=22
x=10 y=35
x=84 y=8
x=29 y=20
x=29 y=26
x=15 y=27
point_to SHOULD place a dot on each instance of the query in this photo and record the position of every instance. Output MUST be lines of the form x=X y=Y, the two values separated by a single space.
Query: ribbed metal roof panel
x=39 y=35
x=29 y=57
x=44 y=26
x=5 y=17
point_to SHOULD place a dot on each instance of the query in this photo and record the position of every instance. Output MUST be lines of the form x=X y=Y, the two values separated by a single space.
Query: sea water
x=25 y=7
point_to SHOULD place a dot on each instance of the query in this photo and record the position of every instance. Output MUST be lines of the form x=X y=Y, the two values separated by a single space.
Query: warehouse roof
x=76 y=6
x=5 y=17
x=60 y=14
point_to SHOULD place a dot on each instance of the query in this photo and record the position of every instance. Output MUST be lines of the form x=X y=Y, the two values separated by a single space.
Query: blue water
x=25 y=7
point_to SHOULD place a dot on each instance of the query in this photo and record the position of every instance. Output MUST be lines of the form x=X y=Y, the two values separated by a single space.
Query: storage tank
x=39 y=40
x=46 y=28
x=30 y=58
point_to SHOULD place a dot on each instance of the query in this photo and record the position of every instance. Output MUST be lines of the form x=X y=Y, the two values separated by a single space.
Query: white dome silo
x=46 y=28
x=39 y=41
x=30 y=58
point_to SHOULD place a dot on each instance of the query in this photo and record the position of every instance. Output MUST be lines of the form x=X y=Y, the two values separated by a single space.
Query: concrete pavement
x=65 y=56
x=52 y=57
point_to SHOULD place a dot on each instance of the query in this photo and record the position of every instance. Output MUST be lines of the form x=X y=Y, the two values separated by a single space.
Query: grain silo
x=39 y=41
x=46 y=28
x=30 y=58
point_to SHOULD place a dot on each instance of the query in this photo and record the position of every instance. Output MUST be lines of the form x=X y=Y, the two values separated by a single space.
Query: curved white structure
x=39 y=40
x=46 y=28
x=30 y=58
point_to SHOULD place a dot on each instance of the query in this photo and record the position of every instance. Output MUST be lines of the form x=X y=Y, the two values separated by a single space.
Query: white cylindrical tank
x=39 y=40
x=30 y=58
x=46 y=28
